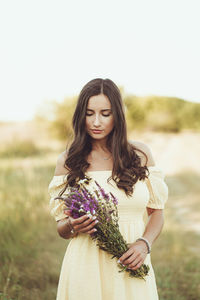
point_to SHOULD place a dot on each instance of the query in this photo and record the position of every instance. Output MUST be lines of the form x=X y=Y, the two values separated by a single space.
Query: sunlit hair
x=127 y=168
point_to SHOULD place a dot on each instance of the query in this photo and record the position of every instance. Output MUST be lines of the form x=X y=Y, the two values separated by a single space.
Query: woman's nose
x=96 y=121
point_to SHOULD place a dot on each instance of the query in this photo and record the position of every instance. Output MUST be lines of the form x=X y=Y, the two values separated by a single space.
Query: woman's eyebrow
x=101 y=109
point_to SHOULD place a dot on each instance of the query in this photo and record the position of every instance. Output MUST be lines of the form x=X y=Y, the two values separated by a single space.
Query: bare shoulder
x=143 y=147
x=60 y=169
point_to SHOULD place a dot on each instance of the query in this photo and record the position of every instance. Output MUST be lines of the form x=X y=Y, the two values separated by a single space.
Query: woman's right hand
x=83 y=224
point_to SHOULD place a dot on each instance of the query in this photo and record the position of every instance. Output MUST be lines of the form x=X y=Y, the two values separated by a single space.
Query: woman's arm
x=156 y=217
x=154 y=225
x=137 y=252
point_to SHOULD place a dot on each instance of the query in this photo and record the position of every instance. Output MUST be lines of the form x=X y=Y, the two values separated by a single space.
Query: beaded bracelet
x=146 y=242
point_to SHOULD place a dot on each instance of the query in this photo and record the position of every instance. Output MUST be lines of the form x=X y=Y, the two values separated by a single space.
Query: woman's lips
x=96 y=131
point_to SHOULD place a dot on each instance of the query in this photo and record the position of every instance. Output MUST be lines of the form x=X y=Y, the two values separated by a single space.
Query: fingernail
x=95 y=229
x=96 y=221
x=94 y=217
x=119 y=261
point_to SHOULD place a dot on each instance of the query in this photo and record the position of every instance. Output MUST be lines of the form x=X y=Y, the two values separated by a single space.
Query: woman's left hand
x=134 y=257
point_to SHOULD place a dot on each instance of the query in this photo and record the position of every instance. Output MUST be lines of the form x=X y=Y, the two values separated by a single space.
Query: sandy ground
x=174 y=153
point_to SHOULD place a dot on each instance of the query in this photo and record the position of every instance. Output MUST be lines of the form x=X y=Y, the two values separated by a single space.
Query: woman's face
x=99 y=117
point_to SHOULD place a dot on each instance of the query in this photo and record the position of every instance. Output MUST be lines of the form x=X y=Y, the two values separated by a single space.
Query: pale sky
x=51 y=48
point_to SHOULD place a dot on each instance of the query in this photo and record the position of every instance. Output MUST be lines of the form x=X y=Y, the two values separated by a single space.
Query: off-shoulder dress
x=88 y=272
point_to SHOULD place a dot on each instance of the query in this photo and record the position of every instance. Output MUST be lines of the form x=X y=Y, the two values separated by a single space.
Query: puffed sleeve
x=158 y=189
x=57 y=206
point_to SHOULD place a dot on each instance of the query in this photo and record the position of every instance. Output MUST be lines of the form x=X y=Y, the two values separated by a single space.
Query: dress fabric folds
x=88 y=272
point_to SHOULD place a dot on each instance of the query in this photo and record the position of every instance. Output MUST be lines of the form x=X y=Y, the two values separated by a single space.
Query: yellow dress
x=89 y=273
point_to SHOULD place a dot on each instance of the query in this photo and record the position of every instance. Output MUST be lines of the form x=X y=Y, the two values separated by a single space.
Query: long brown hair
x=127 y=168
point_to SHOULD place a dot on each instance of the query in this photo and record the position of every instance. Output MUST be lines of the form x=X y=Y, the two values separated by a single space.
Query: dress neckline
x=101 y=171
x=85 y=172
x=98 y=171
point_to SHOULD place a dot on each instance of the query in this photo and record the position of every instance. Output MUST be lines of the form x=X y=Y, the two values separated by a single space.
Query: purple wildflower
x=103 y=193
x=115 y=201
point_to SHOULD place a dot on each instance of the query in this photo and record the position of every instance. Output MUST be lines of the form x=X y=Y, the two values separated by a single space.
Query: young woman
x=101 y=150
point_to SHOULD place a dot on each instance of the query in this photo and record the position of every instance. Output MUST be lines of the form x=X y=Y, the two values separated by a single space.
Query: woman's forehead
x=99 y=102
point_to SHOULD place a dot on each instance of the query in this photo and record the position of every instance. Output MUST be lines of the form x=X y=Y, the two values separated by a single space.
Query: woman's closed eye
x=102 y=115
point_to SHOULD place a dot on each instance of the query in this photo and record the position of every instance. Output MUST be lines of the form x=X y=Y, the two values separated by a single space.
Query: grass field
x=31 y=252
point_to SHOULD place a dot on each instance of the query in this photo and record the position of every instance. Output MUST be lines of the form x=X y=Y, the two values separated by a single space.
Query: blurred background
x=49 y=50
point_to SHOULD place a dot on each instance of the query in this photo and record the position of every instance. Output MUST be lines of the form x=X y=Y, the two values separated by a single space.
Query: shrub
x=19 y=148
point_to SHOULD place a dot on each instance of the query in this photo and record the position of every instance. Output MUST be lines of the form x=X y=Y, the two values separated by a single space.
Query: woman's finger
x=67 y=212
x=138 y=265
x=134 y=262
x=88 y=228
x=80 y=220
x=126 y=255
x=91 y=231
x=83 y=228
x=87 y=222
x=83 y=223
x=131 y=258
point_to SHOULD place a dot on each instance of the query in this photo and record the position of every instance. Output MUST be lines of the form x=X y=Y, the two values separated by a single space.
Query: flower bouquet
x=80 y=201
